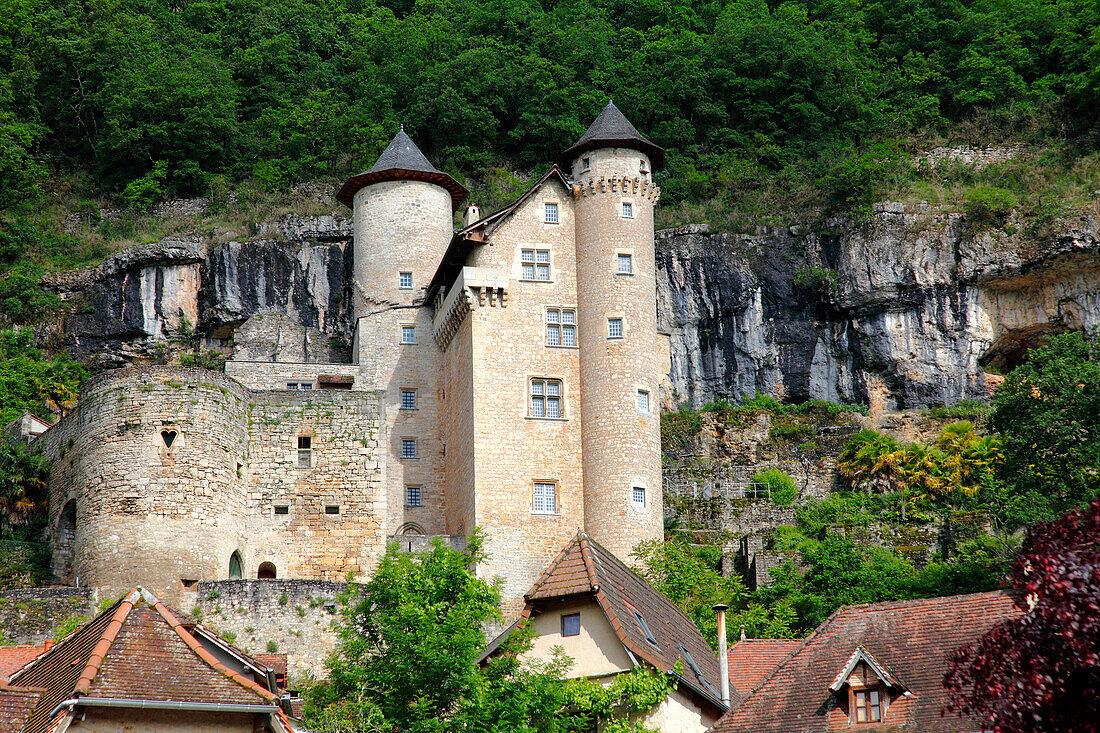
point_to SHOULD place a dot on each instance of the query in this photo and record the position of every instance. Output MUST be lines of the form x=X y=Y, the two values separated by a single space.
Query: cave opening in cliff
x=1010 y=349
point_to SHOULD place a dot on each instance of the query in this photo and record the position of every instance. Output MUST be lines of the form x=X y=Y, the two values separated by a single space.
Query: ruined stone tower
x=612 y=168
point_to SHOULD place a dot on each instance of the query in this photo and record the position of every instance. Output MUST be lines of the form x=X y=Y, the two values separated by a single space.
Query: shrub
x=964 y=410
x=142 y=193
x=816 y=279
x=782 y=486
x=678 y=429
x=987 y=206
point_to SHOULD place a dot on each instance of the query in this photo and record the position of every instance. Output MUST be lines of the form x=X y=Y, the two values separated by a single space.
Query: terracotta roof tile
x=751 y=660
x=14 y=658
x=15 y=705
x=910 y=638
x=135 y=649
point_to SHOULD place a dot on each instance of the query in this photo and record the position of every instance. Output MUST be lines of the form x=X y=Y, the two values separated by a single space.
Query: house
x=873 y=667
x=609 y=620
x=139 y=666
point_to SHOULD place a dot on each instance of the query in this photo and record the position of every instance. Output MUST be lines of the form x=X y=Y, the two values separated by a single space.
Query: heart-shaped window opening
x=169 y=437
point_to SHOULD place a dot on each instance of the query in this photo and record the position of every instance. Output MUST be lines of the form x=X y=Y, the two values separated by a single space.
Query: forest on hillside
x=180 y=97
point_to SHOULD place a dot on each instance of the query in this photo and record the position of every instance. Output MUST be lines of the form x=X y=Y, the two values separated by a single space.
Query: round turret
x=145 y=485
x=402 y=210
x=612 y=168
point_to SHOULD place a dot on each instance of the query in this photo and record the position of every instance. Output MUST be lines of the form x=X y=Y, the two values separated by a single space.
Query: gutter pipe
x=120 y=702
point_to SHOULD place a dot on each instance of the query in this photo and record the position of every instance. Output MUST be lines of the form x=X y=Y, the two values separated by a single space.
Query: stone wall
x=30 y=615
x=296 y=616
x=189 y=467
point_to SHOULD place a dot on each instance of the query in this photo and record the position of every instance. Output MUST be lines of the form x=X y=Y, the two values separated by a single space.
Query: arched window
x=235 y=572
x=266 y=571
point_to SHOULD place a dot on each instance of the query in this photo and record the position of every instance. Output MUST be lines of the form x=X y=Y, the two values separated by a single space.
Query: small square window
x=551 y=213
x=305 y=451
x=867 y=705
x=643 y=401
x=408 y=399
x=282 y=509
x=546 y=498
x=332 y=508
x=412 y=496
x=408 y=334
x=405 y=280
x=614 y=328
x=305 y=385
x=408 y=447
x=628 y=210
x=586 y=163
x=292 y=385
x=639 y=496
x=645 y=629
x=571 y=624
x=626 y=265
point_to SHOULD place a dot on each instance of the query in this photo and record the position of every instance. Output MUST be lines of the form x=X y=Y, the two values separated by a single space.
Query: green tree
x=410 y=639
x=689 y=577
x=1048 y=415
x=23 y=477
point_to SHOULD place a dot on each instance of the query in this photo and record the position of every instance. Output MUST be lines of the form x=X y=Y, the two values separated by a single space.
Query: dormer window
x=870 y=688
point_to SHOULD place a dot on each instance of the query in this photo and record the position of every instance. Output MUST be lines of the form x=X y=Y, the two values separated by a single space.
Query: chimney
x=473 y=213
x=723 y=659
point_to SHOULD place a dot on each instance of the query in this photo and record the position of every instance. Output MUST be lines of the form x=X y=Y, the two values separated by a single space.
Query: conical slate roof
x=612 y=129
x=401 y=161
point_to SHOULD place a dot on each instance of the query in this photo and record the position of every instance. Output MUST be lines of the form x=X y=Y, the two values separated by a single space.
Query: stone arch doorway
x=65 y=547
x=266 y=571
x=235 y=567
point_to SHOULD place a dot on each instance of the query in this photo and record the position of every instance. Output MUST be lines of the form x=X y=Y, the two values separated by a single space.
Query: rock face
x=910 y=309
x=294 y=282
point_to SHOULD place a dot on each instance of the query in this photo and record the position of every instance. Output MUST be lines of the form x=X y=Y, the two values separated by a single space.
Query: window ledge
x=624 y=274
x=552 y=346
x=545 y=514
x=546 y=419
x=408 y=458
x=529 y=280
x=408 y=409
x=614 y=338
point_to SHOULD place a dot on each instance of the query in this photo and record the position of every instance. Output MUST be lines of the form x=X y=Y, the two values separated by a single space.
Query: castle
x=503 y=376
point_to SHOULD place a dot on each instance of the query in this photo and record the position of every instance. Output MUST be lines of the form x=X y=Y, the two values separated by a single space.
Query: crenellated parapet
x=479 y=287
x=639 y=185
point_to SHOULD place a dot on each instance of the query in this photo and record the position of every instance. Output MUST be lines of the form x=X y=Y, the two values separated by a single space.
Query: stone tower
x=612 y=169
x=403 y=222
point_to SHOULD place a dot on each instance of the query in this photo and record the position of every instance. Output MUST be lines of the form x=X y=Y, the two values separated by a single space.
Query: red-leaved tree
x=1041 y=671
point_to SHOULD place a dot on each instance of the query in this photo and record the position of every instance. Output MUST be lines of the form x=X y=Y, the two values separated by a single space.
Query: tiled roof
x=14 y=658
x=751 y=660
x=611 y=128
x=136 y=649
x=15 y=705
x=401 y=160
x=585 y=567
x=910 y=639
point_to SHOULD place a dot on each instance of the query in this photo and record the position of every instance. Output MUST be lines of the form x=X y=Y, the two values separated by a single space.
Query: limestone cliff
x=908 y=309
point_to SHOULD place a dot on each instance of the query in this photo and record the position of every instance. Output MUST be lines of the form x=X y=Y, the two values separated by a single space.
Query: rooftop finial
x=402 y=127
x=742 y=632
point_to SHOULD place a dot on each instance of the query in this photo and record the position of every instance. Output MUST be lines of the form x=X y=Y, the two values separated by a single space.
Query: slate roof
x=611 y=128
x=14 y=658
x=401 y=160
x=585 y=567
x=751 y=660
x=910 y=639
x=136 y=649
x=15 y=705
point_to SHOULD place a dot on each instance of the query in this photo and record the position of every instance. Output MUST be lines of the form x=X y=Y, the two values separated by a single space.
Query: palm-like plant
x=23 y=478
